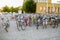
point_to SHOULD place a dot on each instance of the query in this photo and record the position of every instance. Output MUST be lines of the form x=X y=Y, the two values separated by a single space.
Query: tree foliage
x=10 y=9
x=6 y=9
x=29 y=6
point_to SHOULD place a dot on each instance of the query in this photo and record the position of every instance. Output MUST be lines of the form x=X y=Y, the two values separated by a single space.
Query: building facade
x=46 y=6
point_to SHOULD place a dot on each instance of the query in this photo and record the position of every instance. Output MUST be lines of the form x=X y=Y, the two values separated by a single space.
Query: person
x=28 y=21
x=20 y=22
x=5 y=23
x=51 y=21
x=44 y=22
x=34 y=18
x=16 y=16
x=37 y=23
x=55 y=22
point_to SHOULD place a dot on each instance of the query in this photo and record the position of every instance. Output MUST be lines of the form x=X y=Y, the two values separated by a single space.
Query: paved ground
x=31 y=33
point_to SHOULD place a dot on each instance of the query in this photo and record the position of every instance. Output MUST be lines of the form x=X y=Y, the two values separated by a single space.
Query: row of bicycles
x=37 y=20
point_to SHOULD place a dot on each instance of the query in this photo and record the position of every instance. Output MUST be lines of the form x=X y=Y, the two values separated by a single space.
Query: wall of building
x=44 y=8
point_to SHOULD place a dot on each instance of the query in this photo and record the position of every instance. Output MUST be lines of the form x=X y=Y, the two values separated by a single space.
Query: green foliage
x=29 y=6
x=10 y=9
x=16 y=9
x=6 y=9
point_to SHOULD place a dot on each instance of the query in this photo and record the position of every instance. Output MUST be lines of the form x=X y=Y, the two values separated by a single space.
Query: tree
x=29 y=6
x=10 y=9
x=6 y=9
x=16 y=9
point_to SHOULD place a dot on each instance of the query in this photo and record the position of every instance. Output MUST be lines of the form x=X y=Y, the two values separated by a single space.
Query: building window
x=48 y=9
x=44 y=8
x=58 y=9
x=40 y=8
x=53 y=9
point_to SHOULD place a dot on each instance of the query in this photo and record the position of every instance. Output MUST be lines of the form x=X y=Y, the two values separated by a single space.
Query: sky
x=16 y=3
x=55 y=1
